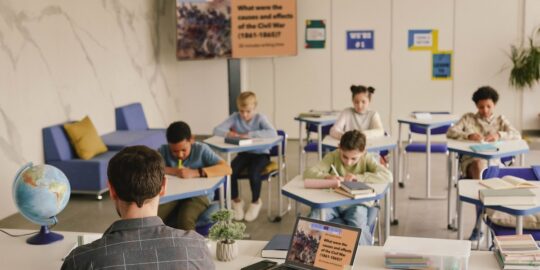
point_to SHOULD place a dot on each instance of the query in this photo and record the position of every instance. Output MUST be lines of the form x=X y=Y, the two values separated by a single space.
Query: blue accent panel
x=536 y=170
x=421 y=148
x=414 y=128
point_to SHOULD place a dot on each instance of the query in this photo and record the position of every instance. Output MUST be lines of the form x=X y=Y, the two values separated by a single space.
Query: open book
x=507 y=182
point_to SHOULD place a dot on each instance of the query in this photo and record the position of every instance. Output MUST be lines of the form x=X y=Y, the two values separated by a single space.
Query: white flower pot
x=226 y=252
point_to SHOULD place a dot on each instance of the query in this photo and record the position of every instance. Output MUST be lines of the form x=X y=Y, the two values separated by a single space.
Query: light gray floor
x=416 y=217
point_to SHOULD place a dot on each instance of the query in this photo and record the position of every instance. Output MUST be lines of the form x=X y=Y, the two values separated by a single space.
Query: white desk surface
x=373 y=144
x=323 y=198
x=258 y=143
x=323 y=120
x=436 y=119
x=178 y=188
x=468 y=191
x=506 y=148
x=16 y=254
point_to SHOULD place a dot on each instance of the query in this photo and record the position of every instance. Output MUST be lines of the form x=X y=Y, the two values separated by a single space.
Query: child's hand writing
x=187 y=173
x=475 y=137
x=492 y=137
x=333 y=177
x=349 y=177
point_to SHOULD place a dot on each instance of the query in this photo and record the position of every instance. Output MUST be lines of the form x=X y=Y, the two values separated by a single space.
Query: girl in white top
x=359 y=117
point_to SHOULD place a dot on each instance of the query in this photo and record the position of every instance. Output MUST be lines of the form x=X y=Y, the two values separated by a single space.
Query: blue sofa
x=85 y=176
x=132 y=129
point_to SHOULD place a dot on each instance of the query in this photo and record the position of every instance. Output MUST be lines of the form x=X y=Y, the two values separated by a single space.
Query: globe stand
x=45 y=236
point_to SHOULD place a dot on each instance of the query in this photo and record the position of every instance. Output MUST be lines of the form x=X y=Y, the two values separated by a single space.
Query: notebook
x=507 y=197
x=318 y=244
x=277 y=247
x=507 y=182
x=484 y=147
x=238 y=141
x=355 y=187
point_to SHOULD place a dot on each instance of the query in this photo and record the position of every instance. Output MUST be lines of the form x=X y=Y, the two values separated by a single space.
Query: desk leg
x=522 y=160
x=228 y=191
x=319 y=141
x=519 y=224
x=395 y=168
x=399 y=151
x=386 y=216
x=450 y=188
x=460 y=217
x=428 y=171
x=300 y=148
x=322 y=214
x=222 y=196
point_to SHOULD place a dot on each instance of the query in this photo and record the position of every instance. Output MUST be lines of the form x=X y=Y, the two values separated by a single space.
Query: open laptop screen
x=322 y=245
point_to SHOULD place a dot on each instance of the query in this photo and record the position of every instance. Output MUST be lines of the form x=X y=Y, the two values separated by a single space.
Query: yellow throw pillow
x=85 y=139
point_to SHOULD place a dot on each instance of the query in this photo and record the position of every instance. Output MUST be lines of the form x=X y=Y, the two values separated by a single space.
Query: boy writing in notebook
x=350 y=162
x=247 y=123
x=186 y=158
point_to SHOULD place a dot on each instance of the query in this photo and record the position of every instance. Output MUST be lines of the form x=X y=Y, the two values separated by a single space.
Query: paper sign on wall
x=423 y=39
x=360 y=40
x=441 y=65
x=315 y=34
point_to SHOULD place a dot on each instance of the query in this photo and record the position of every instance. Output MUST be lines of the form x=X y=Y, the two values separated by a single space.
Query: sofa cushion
x=130 y=117
x=123 y=138
x=85 y=139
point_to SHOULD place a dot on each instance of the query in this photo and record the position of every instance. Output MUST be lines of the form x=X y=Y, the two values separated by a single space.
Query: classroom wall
x=61 y=60
x=531 y=97
x=479 y=32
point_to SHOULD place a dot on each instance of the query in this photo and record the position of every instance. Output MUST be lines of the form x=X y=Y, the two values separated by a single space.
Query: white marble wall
x=61 y=60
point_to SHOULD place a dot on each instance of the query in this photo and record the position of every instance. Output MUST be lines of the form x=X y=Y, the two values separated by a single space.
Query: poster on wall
x=263 y=28
x=423 y=39
x=441 y=65
x=203 y=29
x=360 y=40
x=315 y=34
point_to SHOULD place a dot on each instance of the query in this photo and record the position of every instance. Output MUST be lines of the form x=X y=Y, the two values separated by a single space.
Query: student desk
x=319 y=122
x=325 y=198
x=506 y=149
x=468 y=192
x=386 y=143
x=178 y=189
x=16 y=254
x=436 y=120
x=218 y=143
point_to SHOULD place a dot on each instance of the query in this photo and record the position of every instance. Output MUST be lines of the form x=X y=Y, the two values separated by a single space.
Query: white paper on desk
x=422 y=116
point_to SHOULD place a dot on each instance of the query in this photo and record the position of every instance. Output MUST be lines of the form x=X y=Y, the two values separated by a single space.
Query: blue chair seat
x=501 y=230
x=421 y=148
x=311 y=147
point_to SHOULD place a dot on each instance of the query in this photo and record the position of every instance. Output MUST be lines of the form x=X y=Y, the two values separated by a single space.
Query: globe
x=41 y=192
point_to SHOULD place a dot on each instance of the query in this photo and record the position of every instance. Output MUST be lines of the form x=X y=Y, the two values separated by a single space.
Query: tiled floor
x=424 y=218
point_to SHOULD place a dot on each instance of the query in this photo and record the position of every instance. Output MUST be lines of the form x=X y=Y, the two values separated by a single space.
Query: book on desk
x=507 y=197
x=277 y=247
x=238 y=141
x=345 y=193
x=507 y=182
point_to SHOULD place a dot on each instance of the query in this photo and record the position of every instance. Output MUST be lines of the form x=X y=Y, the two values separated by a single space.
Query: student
x=484 y=125
x=352 y=163
x=140 y=239
x=359 y=117
x=247 y=123
x=186 y=158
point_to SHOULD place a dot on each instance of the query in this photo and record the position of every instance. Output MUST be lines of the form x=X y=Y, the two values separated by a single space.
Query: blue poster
x=442 y=65
x=360 y=40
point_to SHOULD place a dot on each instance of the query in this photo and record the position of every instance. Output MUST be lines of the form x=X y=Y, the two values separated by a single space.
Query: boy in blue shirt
x=186 y=158
x=246 y=123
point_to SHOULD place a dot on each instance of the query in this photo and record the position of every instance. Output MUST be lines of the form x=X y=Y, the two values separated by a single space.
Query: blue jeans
x=352 y=215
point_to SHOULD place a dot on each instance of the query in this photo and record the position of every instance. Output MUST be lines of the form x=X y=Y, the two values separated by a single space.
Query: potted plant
x=225 y=232
x=525 y=72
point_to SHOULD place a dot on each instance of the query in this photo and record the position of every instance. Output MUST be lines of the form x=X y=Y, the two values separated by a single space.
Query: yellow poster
x=263 y=28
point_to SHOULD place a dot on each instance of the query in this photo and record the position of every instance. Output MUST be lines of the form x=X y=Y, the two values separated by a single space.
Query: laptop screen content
x=322 y=245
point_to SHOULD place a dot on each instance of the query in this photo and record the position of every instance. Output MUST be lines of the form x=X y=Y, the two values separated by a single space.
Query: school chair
x=528 y=173
x=272 y=170
x=312 y=145
x=420 y=147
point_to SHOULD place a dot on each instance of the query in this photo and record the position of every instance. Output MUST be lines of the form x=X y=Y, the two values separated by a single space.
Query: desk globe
x=40 y=192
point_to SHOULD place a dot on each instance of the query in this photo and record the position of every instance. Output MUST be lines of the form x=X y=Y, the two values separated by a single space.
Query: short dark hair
x=485 y=92
x=178 y=131
x=353 y=140
x=359 y=89
x=136 y=173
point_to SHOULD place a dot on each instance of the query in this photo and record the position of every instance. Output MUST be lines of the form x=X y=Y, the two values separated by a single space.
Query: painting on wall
x=203 y=29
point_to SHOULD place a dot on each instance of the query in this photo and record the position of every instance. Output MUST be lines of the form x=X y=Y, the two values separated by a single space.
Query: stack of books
x=517 y=252
x=406 y=262
x=355 y=190
x=238 y=141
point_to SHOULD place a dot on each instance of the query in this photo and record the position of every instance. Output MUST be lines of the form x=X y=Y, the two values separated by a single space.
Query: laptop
x=318 y=244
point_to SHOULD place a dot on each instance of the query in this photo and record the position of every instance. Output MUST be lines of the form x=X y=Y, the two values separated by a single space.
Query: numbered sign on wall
x=360 y=40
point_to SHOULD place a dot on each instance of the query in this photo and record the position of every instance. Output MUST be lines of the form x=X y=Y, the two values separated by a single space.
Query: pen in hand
x=335 y=171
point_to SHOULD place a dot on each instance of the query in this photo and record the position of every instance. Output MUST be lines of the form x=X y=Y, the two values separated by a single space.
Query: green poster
x=315 y=34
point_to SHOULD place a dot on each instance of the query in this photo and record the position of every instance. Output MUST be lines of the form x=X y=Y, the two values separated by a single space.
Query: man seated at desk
x=140 y=239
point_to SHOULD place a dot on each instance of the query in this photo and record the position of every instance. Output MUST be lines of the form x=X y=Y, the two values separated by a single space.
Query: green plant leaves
x=224 y=229
x=526 y=70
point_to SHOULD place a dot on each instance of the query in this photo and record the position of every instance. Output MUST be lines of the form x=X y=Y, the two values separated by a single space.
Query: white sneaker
x=253 y=211
x=238 y=208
